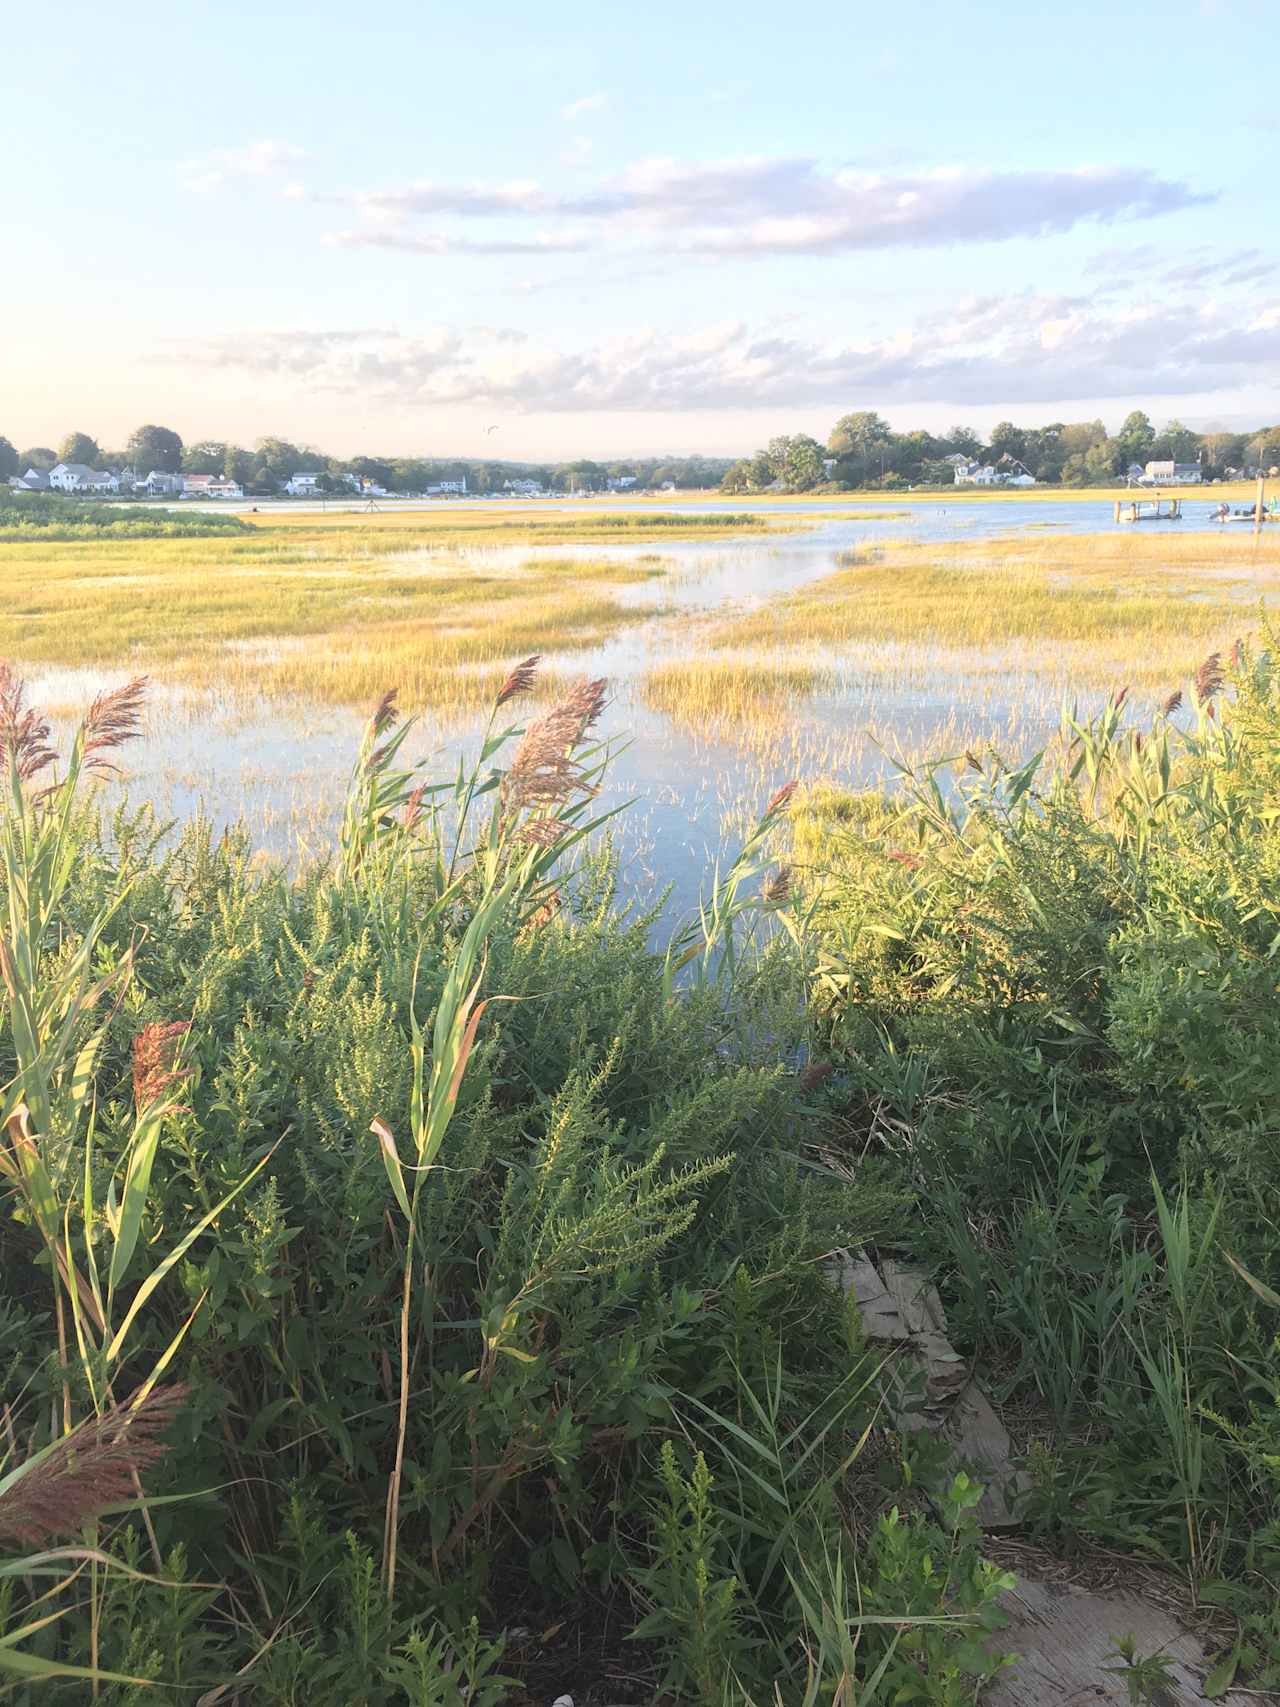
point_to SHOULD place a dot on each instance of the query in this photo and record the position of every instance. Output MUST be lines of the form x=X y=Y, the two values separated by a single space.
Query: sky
x=545 y=232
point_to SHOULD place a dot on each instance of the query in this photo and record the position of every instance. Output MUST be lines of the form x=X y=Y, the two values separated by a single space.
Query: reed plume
x=1172 y=703
x=1118 y=698
x=519 y=681
x=156 y=1063
x=781 y=799
x=88 y=1470
x=1209 y=678
x=543 y=772
x=111 y=720
x=24 y=734
x=777 y=891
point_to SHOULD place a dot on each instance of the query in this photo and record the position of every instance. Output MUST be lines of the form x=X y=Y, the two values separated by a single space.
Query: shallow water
x=690 y=790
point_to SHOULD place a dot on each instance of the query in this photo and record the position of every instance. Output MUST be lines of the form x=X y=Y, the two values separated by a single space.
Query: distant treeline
x=51 y=517
x=863 y=450
x=262 y=470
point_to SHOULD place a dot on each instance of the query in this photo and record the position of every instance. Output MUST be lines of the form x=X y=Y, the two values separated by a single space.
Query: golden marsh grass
x=1078 y=606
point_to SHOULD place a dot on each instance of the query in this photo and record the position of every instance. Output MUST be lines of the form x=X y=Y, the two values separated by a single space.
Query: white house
x=448 y=488
x=622 y=482
x=304 y=485
x=210 y=486
x=160 y=484
x=34 y=480
x=523 y=488
x=975 y=474
x=1012 y=472
x=1172 y=474
x=76 y=477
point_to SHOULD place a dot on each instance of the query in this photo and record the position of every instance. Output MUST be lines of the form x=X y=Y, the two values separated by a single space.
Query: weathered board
x=926 y=1383
x=1065 y=1638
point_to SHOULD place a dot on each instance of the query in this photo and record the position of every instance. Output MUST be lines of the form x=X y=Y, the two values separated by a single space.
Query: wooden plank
x=1065 y=1640
x=881 y=1319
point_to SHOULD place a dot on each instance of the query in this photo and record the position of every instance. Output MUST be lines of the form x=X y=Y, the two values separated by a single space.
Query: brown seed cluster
x=89 y=1470
x=156 y=1066
x=544 y=774
x=519 y=681
x=24 y=734
x=113 y=719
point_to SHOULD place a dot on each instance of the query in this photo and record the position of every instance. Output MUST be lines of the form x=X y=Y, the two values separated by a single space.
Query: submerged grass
x=719 y=691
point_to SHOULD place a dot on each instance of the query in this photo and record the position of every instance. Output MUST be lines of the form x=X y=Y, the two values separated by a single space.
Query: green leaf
x=1222 y=1675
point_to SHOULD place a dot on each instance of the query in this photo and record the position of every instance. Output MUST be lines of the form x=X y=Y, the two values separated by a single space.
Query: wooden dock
x=1148 y=509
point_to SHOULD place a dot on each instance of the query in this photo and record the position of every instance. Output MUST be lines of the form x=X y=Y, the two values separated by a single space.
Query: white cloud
x=780 y=206
x=586 y=104
x=269 y=157
x=1027 y=349
x=447 y=243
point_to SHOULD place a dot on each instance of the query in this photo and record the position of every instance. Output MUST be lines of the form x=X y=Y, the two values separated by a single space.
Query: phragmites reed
x=24 y=734
x=543 y=773
x=1237 y=653
x=1209 y=677
x=411 y=813
x=973 y=762
x=1118 y=698
x=111 y=720
x=385 y=713
x=1172 y=703
x=156 y=1061
x=777 y=891
x=519 y=681
x=89 y=1470
x=781 y=800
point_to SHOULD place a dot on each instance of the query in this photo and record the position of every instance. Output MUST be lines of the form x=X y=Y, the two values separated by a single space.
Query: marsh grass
x=723 y=691
x=1083 y=606
x=320 y=612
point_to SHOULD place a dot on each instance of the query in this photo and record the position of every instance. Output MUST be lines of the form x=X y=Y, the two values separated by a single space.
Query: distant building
x=160 y=484
x=623 y=482
x=448 y=489
x=34 y=480
x=1172 y=474
x=304 y=485
x=523 y=488
x=76 y=477
x=973 y=473
x=1007 y=472
x=210 y=486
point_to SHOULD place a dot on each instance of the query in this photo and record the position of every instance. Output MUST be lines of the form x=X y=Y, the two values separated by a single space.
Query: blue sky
x=662 y=229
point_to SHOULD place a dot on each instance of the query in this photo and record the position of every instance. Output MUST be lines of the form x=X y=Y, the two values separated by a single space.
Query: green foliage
x=1050 y=993
x=49 y=516
x=452 y=1212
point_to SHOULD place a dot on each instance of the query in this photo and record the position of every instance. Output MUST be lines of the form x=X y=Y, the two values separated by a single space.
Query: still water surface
x=690 y=789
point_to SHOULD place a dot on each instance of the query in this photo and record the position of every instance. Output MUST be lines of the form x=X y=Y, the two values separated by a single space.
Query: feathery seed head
x=519 y=681
x=88 y=1470
x=111 y=720
x=156 y=1063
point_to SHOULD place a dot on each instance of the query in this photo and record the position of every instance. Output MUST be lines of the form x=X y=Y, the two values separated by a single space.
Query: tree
x=1263 y=450
x=39 y=456
x=737 y=477
x=8 y=459
x=804 y=467
x=1176 y=443
x=1008 y=440
x=1100 y=462
x=274 y=460
x=859 y=434
x=1136 y=437
x=153 y=447
x=963 y=441
x=207 y=457
x=79 y=447
x=237 y=465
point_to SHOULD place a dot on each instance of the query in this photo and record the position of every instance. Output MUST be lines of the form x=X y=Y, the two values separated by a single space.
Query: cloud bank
x=777 y=206
x=1023 y=349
